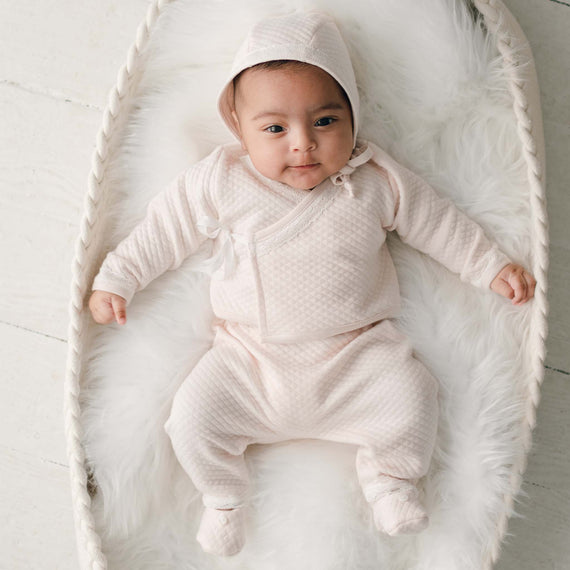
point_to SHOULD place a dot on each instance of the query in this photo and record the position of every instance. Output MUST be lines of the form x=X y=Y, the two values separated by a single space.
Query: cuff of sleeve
x=114 y=286
x=497 y=261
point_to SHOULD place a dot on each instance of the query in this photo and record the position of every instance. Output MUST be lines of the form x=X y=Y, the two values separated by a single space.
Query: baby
x=303 y=287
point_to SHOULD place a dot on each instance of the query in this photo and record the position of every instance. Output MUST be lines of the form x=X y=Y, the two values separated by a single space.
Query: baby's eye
x=274 y=129
x=324 y=122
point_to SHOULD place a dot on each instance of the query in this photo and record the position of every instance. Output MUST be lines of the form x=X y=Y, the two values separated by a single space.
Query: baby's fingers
x=101 y=308
x=523 y=285
x=518 y=283
x=119 y=309
x=532 y=284
x=502 y=287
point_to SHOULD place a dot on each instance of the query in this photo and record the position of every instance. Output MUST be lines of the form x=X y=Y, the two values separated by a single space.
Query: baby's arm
x=434 y=225
x=161 y=241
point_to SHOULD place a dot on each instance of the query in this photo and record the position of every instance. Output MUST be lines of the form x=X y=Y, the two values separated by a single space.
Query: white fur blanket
x=436 y=95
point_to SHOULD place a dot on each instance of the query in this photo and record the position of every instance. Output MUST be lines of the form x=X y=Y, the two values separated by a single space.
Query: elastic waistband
x=236 y=328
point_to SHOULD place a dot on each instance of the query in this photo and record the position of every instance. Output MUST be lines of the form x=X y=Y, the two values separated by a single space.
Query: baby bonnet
x=308 y=36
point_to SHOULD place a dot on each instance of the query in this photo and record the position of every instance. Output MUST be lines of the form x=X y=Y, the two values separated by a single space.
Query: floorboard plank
x=37 y=517
x=539 y=539
x=45 y=158
x=68 y=49
x=545 y=25
x=558 y=341
x=31 y=384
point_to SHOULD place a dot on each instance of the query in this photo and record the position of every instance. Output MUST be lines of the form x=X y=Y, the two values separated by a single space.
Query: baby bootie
x=397 y=509
x=222 y=532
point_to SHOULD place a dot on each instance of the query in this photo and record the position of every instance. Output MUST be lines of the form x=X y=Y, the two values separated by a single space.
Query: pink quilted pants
x=363 y=387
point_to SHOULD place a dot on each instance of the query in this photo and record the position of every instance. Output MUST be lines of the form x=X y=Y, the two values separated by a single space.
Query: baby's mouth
x=305 y=166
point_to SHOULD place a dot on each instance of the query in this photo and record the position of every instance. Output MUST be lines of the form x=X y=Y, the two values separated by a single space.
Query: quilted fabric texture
x=363 y=387
x=300 y=265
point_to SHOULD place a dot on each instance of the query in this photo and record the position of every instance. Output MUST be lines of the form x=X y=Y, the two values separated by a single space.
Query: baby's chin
x=297 y=177
x=305 y=187
x=305 y=178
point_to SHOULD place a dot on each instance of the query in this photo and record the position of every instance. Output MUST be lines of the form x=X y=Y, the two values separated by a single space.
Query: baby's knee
x=189 y=413
x=199 y=410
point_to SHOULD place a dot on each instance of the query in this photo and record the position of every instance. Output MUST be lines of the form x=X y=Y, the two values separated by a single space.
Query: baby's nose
x=303 y=140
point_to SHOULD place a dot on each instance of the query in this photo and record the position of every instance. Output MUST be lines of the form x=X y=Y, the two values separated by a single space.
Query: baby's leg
x=389 y=468
x=216 y=414
x=385 y=401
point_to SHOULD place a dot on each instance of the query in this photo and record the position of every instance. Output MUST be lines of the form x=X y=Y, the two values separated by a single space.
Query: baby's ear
x=236 y=125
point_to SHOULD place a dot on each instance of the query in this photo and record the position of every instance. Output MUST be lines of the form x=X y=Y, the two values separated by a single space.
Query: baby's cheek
x=271 y=166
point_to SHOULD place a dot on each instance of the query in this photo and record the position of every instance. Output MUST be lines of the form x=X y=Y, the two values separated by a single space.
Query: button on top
x=223 y=519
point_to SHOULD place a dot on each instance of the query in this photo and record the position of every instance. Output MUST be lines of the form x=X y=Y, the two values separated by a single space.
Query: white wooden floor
x=58 y=61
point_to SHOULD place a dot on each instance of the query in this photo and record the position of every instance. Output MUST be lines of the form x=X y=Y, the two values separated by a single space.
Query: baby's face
x=295 y=125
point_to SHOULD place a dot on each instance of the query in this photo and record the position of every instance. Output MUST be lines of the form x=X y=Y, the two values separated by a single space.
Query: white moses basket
x=448 y=87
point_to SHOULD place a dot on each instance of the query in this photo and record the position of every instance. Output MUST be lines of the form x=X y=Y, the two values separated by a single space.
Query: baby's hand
x=514 y=282
x=107 y=307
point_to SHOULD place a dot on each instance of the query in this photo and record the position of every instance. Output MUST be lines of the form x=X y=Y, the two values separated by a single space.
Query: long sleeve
x=164 y=238
x=434 y=225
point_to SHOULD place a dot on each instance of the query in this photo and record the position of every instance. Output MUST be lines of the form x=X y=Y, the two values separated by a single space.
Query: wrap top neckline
x=226 y=256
